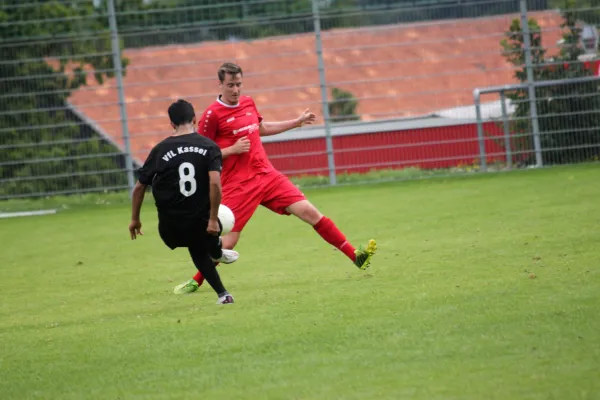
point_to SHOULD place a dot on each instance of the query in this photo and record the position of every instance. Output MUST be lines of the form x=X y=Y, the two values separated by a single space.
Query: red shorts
x=272 y=190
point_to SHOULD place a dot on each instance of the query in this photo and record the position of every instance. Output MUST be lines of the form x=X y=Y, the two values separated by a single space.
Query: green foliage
x=185 y=21
x=45 y=51
x=343 y=106
x=163 y=22
x=585 y=10
x=568 y=114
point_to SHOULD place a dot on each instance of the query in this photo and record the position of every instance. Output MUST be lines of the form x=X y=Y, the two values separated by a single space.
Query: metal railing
x=84 y=89
x=533 y=130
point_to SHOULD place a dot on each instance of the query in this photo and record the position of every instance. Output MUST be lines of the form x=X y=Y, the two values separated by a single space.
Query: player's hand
x=242 y=145
x=213 y=227
x=306 y=118
x=135 y=228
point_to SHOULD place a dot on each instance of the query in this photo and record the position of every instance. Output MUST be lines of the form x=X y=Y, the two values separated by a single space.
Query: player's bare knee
x=307 y=212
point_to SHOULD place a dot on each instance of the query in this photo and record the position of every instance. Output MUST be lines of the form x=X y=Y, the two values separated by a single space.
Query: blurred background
x=85 y=85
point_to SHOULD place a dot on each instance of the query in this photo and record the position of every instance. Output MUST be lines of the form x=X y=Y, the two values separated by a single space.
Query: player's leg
x=204 y=263
x=283 y=197
x=229 y=255
x=243 y=201
x=327 y=229
x=226 y=244
x=190 y=235
x=218 y=253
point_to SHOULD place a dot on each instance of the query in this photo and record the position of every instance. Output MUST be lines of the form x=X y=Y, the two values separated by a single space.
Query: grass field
x=485 y=287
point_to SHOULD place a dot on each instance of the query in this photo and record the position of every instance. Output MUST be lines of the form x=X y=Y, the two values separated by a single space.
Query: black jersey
x=177 y=168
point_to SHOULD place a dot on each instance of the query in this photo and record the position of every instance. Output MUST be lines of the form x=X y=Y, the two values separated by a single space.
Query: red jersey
x=225 y=125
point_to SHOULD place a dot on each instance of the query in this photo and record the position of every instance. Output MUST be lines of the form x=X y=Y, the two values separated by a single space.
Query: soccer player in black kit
x=184 y=171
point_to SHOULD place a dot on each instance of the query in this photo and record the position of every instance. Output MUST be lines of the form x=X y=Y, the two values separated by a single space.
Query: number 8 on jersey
x=187 y=174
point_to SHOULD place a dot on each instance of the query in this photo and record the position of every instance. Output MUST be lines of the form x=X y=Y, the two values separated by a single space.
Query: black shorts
x=189 y=233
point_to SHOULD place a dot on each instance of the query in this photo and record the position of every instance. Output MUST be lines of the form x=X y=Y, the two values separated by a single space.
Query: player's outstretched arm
x=215 y=200
x=274 y=128
x=137 y=199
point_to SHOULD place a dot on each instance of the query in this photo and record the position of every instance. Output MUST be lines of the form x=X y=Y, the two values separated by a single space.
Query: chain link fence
x=85 y=85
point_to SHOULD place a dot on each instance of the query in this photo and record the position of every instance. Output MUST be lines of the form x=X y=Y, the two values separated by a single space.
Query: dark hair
x=229 y=69
x=181 y=112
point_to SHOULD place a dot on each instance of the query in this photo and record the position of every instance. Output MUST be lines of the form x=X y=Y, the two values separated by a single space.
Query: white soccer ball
x=227 y=218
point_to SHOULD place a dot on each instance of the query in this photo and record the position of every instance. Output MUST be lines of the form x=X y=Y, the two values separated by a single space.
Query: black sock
x=208 y=268
x=214 y=247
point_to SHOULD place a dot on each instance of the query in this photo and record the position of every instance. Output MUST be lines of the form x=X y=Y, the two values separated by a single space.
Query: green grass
x=448 y=310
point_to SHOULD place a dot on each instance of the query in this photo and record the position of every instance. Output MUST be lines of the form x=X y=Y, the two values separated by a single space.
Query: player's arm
x=146 y=174
x=274 y=128
x=137 y=199
x=241 y=146
x=214 y=189
x=209 y=127
x=214 y=193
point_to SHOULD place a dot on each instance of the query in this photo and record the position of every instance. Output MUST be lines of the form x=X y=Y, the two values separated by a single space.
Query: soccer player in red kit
x=249 y=179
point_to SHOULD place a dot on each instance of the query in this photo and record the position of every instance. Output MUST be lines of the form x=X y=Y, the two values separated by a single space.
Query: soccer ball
x=227 y=218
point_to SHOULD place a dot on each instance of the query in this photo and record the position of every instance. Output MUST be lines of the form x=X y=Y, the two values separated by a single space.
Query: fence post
x=537 y=145
x=507 y=146
x=481 y=138
x=323 y=84
x=116 y=55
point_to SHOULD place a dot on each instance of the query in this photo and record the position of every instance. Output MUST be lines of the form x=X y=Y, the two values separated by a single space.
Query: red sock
x=332 y=235
x=199 y=277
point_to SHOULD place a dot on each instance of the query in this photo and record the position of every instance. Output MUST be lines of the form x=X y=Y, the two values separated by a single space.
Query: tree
x=378 y=12
x=585 y=10
x=46 y=48
x=161 y=22
x=184 y=21
x=569 y=121
x=343 y=106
